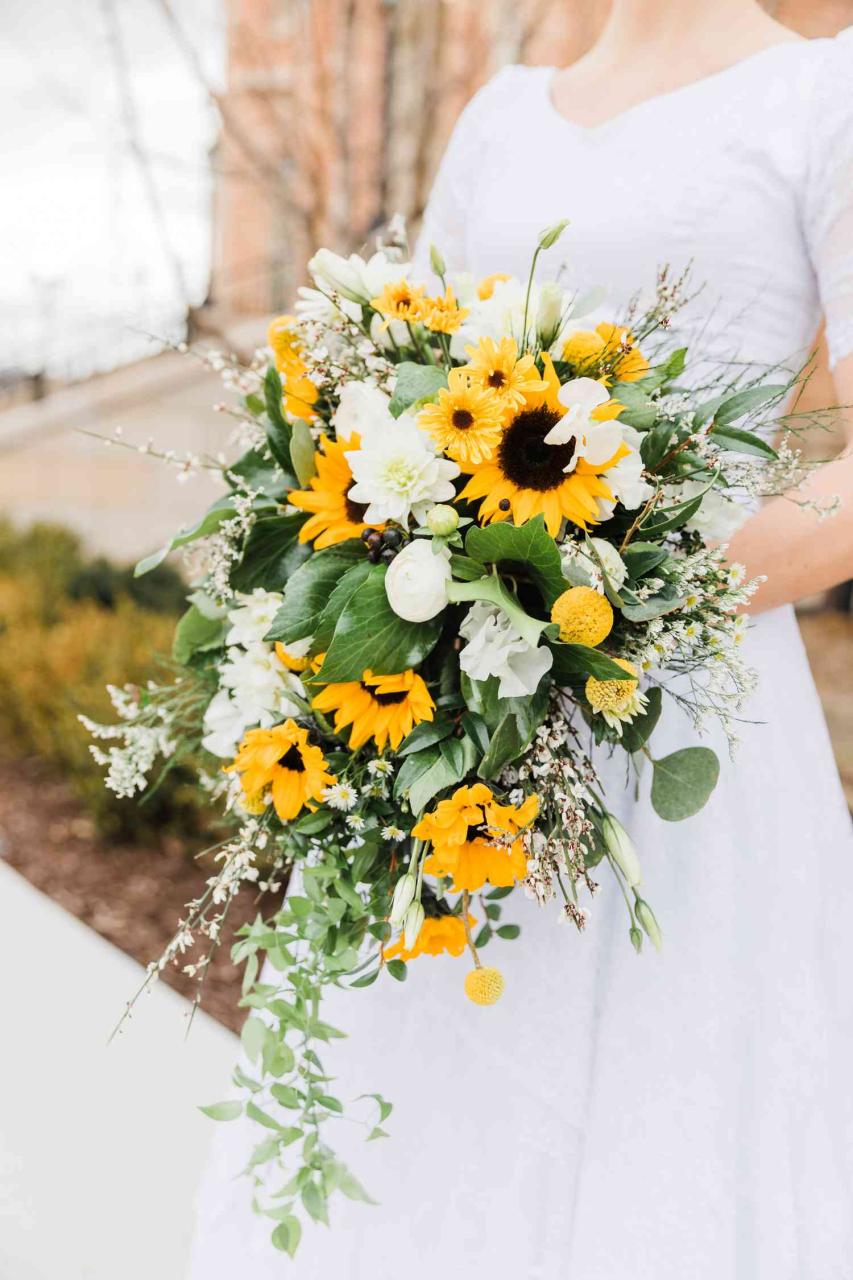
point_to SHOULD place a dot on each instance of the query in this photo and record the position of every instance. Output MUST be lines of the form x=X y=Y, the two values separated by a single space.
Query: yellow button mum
x=484 y=986
x=583 y=615
x=612 y=695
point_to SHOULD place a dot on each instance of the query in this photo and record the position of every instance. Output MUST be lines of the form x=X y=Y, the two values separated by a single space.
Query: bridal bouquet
x=474 y=538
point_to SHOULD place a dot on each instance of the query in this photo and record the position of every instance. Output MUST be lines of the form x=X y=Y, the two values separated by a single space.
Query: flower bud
x=550 y=313
x=651 y=928
x=404 y=892
x=442 y=520
x=436 y=261
x=636 y=937
x=620 y=846
x=412 y=924
x=551 y=235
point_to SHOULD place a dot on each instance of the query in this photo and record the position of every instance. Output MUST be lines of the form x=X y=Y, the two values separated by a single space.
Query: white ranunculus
x=363 y=410
x=595 y=442
x=622 y=850
x=399 y=474
x=495 y=648
x=253 y=617
x=353 y=277
x=625 y=479
x=225 y=723
x=718 y=518
x=416 y=581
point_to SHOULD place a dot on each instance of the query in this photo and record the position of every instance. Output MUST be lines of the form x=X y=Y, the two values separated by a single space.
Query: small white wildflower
x=341 y=795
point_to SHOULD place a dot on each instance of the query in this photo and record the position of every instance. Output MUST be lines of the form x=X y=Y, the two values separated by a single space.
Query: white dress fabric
x=683 y=1116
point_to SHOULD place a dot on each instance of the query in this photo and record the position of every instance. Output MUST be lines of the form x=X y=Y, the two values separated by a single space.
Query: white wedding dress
x=683 y=1116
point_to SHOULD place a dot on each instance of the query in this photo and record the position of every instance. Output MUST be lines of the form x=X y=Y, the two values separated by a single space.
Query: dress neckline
x=667 y=95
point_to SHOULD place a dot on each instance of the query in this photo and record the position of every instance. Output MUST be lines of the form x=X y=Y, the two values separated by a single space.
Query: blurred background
x=168 y=167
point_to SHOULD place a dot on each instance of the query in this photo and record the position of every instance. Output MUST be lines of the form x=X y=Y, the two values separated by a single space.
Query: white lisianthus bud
x=335 y=274
x=416 y=581
x=442 y=520
x=621 y=849
x=412 y=924
x=549 y=314
x=436 y=261
x=551 y=235
x=404 y=893
x=651 y=928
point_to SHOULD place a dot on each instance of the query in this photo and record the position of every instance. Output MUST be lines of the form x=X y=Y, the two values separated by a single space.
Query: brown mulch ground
x=131 y=895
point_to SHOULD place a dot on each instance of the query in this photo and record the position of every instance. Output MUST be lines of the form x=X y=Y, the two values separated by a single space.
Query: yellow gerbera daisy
x=438 y=935
x=467 y=421
x=486 y=287
x=473 y=838
x=300 y=393
x=444 y=314
x=495 y=367
x=401 y=301
x=336 y=517
x=384 y=708
x=526 y=477
x=282 y=761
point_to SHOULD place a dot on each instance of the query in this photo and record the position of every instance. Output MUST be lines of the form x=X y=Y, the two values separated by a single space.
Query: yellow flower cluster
x=474 y=838
x=438 y=935
x=300 y=393
x=410 y=303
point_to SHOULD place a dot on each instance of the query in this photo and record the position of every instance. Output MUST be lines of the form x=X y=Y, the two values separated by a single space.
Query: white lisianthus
x=594 y=441
x=621 y=849
x=625 y=479
x=363 y=409
x=416 y=581
x=313 y=305
x=495 y=648
x=718 y=518
x=352 y=277
x=253 y=617
x=413 y=924
x=225 y=723
x=398 y=473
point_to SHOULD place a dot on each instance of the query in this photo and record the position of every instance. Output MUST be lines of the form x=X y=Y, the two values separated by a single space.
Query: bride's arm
x=798 y=553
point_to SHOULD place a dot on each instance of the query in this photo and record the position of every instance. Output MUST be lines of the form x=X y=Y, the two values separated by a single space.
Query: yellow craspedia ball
x=583 y=615
x=584 y=348
x=484 y=986
x=612 y=695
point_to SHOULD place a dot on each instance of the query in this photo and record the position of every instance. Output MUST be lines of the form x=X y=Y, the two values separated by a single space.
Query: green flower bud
x=636 y=937
x=442 y=520
x=412 y=924
x=551 y=235
x=404 y=892
x=651 y=928
x=620 y=846
x=436 y=261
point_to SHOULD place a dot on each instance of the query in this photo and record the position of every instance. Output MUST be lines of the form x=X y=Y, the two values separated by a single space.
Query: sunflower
x=474 y=838
x=609 y=348
x=495 y=367
x=444 y=314
x=467 y=421
x=439 y=934
x=300 y=393
x=401 y=301
x=526 y=476
x=486 y=287
x=283 y=761
x=384 y=708
x=336 y=516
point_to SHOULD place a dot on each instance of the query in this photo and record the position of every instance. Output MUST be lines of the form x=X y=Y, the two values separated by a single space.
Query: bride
x=687 y=1116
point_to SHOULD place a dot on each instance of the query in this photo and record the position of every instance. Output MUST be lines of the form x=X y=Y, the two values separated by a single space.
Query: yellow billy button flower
x=384 y=708
x=466 y=422
x=484 y=985
x=495 y=367
x=335 y=517
x=283 y=761
x=583 y=615
x=474 y=838
x=401 y=301
x=486 y=287
x=444 y=314
x=610 y=346
x=618 y=701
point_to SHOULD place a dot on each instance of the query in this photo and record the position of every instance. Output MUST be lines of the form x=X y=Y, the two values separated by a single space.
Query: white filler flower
x=398 y=473
x=416 y=581
x=495 y=648
x=253 y=617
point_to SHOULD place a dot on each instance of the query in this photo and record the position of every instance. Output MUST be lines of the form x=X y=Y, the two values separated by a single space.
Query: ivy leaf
x=271 y=554
x=370 y=634
x=307 y=591
x=315 y=1203
x=287 y=1235
x=415 y=382
x=683 y=782
x=223 y=1110
x=529 y=546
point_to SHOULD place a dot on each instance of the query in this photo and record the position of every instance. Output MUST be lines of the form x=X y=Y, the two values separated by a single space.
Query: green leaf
x=743 y=402
x=738 y=441
x=255 y=471
x=222 y=509
x=271 y=555
x=424 y=735
x=287 y=1235
x=663 y=521
x=443 y=769
x=639 y=411
x=667 y=601
x=683 y=782
x=493 y=591
x=302 y=453
x=637 y=733
x=223 y=1110
x=273 y=397
x=196 y=633
x=509 y=931
x=505 y=745
x=398 y=970
x=307 y=591
x=573 y=662
x=465 y=569
x=253 y=1037
x=370 y=634
x=330 y=1103
x=528 y=546
x=337 y=601
x=641 y=557
x=415 y=382
x=315 y=1203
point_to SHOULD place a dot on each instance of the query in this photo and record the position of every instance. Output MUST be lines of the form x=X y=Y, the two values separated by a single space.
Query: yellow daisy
x=495 y=367
x=609 y=350
x=526 y=477
x=300 y=393
x=444 y=314
x=335 y=516
x=384 y=708
x=467 y=421
x=473 y=838
x=401 y=301
x=438 y=935
x=282 y=761
x=486 y=287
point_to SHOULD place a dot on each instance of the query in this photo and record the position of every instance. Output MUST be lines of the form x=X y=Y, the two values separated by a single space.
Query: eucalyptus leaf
x=743 y=402
x=739 y=441
x=683 y=782
x=637 y=733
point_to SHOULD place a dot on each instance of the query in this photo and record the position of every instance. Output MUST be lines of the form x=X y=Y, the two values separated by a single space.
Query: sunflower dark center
x=497 y=378
x=462 y=419
x=399 y=695
x=292 y=760
x=355 y=510
x=526 y=459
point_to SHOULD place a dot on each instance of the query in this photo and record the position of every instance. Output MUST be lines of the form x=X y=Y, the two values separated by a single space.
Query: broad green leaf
x=287 y=1235
x=447 y=770
x=334 y=607
x=641 y=557
x=663 y=521
x=271 y=555
x=253 y=1037
x=415 y=382
x=255 y=471
x=370 y=634
x=315 y=1203
x=223 y=509
x=492 y=590
x=667 y=601
x=505 y=745
x=302 y=453
x=223 y=1110
x=683 y=782
x=739 y=441
x=639 y=410
x=307 y=591
x=509 y=931
x=528 y=546
x=424 y=735
x=273 y=397
x=196 y=633
x=398 y=970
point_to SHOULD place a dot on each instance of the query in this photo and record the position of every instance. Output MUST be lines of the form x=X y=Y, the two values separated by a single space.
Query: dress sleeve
x=444 y=221
x=829 y=197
